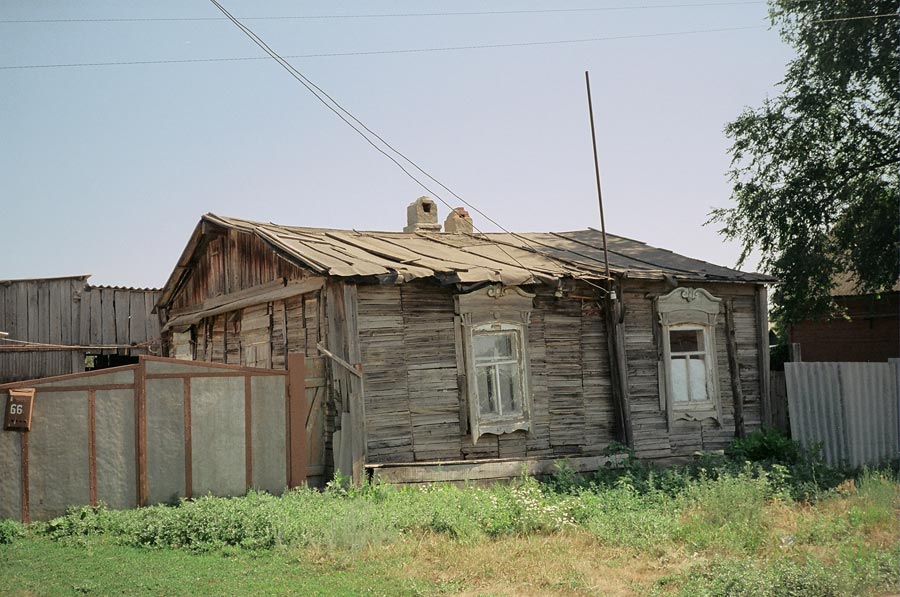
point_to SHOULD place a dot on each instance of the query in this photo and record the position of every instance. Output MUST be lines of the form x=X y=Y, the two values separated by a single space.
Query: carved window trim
x=502 y=310
x=689 y=309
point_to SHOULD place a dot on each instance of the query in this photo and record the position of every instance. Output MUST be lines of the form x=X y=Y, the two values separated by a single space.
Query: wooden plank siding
x=652 y=436
x=404 y=339
x=412 y=399
x=231 y=262
x=70 y=312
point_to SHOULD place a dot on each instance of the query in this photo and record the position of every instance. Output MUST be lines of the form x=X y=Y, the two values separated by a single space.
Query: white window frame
x=515 y=359
x=689 y=309
x=495 y=309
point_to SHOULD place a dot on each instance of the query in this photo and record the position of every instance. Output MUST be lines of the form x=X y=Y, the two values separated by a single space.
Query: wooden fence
x=70 y=319
x=778 y=402
x=153 y=432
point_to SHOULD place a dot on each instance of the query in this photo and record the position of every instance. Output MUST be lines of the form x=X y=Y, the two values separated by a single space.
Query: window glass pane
x=487 y=390
x=686 y=340
x=494 y=346
x=679 y=379
x=697 y=374
x=510 y=390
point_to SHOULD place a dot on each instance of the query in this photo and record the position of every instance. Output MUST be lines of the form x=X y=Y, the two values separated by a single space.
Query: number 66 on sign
x=17 y=415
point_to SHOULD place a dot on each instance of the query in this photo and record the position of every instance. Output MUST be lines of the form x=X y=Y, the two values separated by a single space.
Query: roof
x=47 y=278
x=124 y=288
x=509 y=258
x=845 y=285
x=82 y=277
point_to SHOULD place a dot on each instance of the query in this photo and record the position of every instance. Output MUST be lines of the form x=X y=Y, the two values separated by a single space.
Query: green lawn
x=46 y=567
x=711 y=529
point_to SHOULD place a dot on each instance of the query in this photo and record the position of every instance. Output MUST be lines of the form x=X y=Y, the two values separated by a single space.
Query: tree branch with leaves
x=815 y=171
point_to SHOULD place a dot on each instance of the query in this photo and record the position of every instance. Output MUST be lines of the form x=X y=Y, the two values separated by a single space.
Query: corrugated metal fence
x=850 y=408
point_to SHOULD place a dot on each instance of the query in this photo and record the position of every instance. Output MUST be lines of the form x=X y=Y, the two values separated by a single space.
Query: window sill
x=696 y=413
x=499 y=427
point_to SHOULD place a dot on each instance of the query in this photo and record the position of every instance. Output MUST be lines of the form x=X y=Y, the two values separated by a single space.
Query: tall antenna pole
x=587 y=80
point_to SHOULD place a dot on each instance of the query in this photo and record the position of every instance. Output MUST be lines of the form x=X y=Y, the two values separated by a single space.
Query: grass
x=718 y=527
x=41 y=566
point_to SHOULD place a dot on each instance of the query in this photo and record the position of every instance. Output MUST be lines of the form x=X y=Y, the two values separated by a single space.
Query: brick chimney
x=459 y=222
x=421 y=216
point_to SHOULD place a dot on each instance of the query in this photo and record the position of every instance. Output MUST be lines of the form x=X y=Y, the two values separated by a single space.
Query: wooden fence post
x=618 y=365
x=737 y=393
x=763 y=362
x=140 y=432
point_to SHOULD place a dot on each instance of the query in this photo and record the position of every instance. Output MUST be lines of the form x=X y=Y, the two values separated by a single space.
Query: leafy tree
x=815 y=169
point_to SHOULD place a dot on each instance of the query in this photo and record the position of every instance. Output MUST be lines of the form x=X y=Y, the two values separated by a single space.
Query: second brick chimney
x=459 y=222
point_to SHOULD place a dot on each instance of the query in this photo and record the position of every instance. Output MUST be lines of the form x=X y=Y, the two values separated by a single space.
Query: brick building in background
x=872 y=332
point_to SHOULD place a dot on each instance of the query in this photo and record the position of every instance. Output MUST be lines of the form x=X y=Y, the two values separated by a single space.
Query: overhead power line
x=346 y=116
x=424 y=50
x=386 y=52
x=393 y=15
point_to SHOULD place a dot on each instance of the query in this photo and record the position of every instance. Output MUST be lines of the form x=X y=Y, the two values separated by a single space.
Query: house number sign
x=17 y=415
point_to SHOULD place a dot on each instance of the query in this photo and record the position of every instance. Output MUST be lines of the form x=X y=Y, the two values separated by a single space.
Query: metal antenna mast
x=587 y=80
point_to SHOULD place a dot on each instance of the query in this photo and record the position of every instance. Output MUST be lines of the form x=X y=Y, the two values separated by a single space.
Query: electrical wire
x=339 y=110
x=388 y=52
x=391 y=15
x=425 y=50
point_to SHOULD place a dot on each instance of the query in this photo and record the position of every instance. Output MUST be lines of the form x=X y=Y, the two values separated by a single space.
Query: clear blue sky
x=106 y=169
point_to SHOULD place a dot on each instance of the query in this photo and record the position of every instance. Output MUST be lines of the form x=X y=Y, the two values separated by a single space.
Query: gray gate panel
x=217 y=432
x=58 y=454
x=165 y=440
x=114 y=428
x=268 y=433
x=10 y=472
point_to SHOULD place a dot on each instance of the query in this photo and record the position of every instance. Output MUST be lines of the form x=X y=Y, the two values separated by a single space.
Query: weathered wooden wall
x=230 y=262
x=413 y=397
x=404 y=337
x=413 y=401
x=650 y=427
x=67 y=311
x=260 y=334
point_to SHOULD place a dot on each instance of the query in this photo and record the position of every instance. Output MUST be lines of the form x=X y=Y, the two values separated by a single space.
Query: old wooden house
x=446 y=354
x=61 y=325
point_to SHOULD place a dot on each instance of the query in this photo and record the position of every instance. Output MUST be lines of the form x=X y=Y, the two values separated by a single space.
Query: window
x=688 y=381
x=687 y=362
x=498 y=375
x=492 y=340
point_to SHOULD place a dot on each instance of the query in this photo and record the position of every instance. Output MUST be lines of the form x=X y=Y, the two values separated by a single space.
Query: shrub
x=10 y=530
x=767 y=444
x=743 y=578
